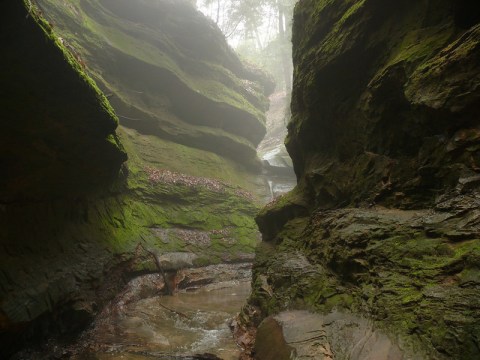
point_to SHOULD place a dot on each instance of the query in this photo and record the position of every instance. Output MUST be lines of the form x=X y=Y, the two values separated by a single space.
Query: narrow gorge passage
x=130 y=157
x=194 y=314
x=252 y=180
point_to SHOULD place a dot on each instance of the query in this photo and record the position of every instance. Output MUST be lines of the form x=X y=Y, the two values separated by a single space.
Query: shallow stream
x=189 y=323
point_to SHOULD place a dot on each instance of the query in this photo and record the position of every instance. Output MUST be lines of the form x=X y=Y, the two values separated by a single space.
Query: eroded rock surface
x=383 y=100
x=305 y=335
x=168 y=71
x=76 y=222
x=58 y=137
x=412 y=271
x=384 y=222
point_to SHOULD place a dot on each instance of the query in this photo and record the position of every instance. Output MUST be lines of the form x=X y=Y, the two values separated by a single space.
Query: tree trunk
x=287 y=72
x=258 y=39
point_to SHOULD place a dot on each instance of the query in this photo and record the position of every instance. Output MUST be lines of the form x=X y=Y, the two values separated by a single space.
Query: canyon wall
x=384 y=137
x=77 y=218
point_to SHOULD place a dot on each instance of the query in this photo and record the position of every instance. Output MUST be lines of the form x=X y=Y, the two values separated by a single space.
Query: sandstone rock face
x=58 y=137
x=415 y=273
x=303 y=335
x=168 y=71
x=76 y=224
x=58 y=146
x=382 y=94
x=384 y=221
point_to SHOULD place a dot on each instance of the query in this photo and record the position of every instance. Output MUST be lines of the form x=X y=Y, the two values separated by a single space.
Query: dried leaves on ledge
x=165 y=176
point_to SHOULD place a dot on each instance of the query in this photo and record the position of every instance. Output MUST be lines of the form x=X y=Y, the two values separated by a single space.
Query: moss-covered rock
x=75 y=223
x=58 y=136
x=412 y=272
x=59 y=152
x=380 y=93
x=152 y=58
x=384 y=139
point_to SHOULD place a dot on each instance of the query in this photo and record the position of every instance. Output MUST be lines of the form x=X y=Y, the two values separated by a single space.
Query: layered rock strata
x=384 y=138
x=168 y=71
x=77 y=220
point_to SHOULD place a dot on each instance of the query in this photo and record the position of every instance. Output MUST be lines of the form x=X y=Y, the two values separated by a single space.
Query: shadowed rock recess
x=385 y=139
x=77 y=220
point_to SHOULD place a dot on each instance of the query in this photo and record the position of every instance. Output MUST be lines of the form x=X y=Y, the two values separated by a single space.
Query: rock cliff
x=384 y=138
x=168 y=71
x=77 y=219
x=58 y=135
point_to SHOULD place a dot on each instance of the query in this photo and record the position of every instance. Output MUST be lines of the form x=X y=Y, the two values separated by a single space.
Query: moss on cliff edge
x=172 y=186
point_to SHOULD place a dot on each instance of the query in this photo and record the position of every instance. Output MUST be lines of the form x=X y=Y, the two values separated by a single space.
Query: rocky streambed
x=144 y=323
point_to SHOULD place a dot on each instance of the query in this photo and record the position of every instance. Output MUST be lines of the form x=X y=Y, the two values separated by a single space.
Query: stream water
x=189 y=323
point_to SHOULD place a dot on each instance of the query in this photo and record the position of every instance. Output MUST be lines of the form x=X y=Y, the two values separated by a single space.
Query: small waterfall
x=270 y=186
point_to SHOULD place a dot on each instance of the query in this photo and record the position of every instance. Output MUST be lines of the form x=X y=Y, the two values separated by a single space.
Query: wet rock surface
x=414 y=273
x=384 y=220
x=391 y=127
x=305 y=335
x=75 y=223
x=142 y=322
